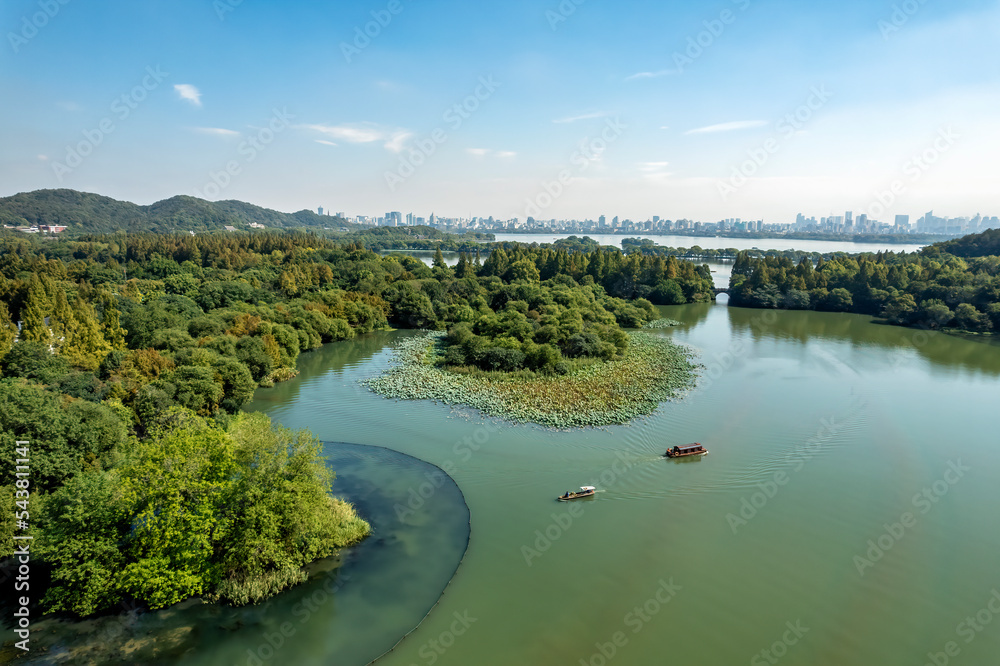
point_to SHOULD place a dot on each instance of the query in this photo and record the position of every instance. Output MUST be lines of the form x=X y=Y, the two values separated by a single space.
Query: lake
x=846 y=513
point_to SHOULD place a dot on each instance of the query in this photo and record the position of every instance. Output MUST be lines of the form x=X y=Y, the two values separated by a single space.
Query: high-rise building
x=849 y=218
x=902 y=220
x=320 y=210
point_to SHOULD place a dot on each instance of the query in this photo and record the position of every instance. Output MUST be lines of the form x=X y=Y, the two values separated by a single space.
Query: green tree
x=83 y=524
x=85 y=346
x=439 y=261
x=971 y=319
x=8 y=330
x=172 y=488
x=36 y=307
x=111 y=324
x=61 y=321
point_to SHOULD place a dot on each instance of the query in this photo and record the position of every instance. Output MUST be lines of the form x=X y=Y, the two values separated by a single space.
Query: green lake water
x=823 y=431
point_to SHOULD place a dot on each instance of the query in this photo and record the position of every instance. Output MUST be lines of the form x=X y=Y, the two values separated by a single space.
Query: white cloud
x=397 y=139
x=483 y=152
x=325 y=142
x=43 y=158
x=188 y=92
x=586 y=116
x=650 y=75
x=217 y=131
x=653 y=166
x=728 y=127
x=393 y=139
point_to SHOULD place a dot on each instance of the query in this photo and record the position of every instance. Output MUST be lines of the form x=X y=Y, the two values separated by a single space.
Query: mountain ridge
x=88 y=212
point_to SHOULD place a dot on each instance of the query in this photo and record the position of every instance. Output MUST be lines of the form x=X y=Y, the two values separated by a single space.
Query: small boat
x=685 y=451
x=585 y=491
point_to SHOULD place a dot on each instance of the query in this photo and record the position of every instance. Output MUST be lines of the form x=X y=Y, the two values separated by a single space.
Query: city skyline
x=548 y=110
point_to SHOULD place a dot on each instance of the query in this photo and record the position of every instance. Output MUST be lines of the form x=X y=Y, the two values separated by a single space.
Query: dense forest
x=126 y=358
x=931 y=289
x=647 y=246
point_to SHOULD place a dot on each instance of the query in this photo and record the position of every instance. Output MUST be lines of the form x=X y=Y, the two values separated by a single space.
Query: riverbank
x=405 y=567
x=652 y=370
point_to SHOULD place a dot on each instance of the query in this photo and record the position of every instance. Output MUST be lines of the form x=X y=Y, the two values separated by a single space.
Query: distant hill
x=985 y=244
x=83 y=212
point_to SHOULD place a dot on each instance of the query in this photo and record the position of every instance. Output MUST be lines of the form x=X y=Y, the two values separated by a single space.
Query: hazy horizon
x=746 y=108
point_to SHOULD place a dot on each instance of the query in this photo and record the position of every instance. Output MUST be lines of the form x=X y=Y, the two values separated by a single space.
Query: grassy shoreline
x=652 y=370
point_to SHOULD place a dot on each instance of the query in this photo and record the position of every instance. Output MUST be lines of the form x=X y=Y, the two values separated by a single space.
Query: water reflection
x=972 y=354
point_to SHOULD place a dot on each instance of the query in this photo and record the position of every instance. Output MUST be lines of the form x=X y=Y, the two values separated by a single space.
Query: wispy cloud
x=585 y=116
x=393 y=139
x=68 y=106
x=655 y=170
x=650 y=75
x=326 y=143
x=217 y=131
x=188 y=92
x=653 y=166
x=483 y=152
x=728 y=127
x=397 y=140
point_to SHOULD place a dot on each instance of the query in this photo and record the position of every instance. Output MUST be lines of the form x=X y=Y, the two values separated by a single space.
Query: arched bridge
x=721 y=290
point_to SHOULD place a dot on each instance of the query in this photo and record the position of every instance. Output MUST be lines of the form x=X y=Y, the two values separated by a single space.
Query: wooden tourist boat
x=686 y=451
x=585 y=491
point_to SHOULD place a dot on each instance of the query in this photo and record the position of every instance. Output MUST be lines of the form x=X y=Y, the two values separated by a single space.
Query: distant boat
x=686 y=451
x=585 y=491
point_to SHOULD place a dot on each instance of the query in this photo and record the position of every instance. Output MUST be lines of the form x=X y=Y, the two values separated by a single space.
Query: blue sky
x=733 y=108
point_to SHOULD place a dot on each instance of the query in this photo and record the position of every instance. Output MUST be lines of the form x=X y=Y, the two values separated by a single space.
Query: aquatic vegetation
x=652 y=370
x=662 y=323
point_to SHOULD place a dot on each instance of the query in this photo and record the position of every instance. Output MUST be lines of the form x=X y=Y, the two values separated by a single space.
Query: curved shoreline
x=461 y=560
x=653 y=370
